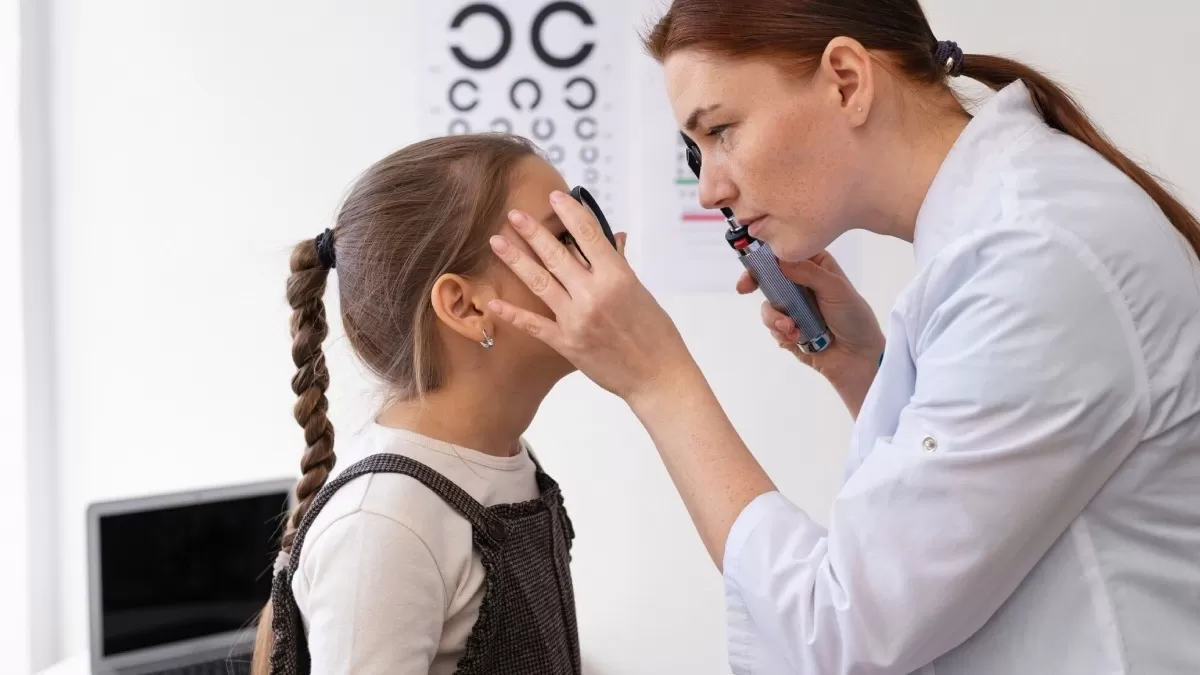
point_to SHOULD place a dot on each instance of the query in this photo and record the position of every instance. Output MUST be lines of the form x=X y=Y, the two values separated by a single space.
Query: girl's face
x=530 y=188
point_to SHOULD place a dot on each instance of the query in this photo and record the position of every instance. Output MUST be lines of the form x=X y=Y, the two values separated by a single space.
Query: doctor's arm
x=1030 y=388
x=1030 y=392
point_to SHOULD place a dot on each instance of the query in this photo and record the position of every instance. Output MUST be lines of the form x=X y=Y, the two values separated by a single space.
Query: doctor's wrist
x=852 y=380
x=670 y=389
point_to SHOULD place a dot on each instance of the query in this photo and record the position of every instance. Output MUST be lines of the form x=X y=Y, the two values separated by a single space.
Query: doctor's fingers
x=532 y=273
x=746 y=283
x=781 y=327
x=567 y=268
x=790 y=347
x=825 y=260
x=827 y=284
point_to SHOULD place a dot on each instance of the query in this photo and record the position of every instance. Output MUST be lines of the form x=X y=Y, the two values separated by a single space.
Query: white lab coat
x=1023 y=489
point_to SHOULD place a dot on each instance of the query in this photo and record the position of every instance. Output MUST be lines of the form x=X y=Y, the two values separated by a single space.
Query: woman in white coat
x=1023 y=488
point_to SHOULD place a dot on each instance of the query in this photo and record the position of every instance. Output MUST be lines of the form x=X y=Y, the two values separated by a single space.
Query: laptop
x=176 y=581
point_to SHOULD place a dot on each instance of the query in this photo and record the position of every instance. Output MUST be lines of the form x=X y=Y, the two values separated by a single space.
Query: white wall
x=38 y=276
x=194 y=143
x=15 y=642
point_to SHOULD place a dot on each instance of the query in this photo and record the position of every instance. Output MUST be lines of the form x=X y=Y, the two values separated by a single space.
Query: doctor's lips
x=750 y=222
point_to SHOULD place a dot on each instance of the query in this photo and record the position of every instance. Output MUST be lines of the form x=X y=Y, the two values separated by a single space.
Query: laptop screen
x=186 y=572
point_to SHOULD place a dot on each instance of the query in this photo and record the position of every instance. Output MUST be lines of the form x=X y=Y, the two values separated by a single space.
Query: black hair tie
x=325 y=254
x=949 y=57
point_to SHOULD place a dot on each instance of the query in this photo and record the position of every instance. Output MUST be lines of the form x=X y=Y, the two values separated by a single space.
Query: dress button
x=930 y=443
x=498 y=532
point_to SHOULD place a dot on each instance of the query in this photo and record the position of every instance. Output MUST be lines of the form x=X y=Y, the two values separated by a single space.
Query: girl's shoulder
x=411 y=504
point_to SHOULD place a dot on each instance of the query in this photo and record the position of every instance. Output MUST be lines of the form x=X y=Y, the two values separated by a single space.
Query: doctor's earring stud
x=487 y=340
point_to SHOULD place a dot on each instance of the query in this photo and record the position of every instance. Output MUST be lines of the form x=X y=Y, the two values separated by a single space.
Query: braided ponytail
x=421 y=212
x=305 y=291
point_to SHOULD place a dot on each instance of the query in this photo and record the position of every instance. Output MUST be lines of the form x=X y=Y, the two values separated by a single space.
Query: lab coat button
x=930 y=443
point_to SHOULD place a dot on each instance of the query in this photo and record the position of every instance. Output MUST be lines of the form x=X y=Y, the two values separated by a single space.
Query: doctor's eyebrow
x=693 y=120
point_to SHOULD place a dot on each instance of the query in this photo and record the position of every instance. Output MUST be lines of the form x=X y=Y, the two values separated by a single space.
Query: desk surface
x=78 y=664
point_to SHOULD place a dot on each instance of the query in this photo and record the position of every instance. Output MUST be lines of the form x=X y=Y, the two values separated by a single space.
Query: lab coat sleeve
x=1030 y=391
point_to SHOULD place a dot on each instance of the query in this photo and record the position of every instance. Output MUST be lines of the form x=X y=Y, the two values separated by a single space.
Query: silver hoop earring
x=487 y=340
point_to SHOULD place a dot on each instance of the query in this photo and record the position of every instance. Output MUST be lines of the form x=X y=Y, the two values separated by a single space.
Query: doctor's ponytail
x=1061 y=112
x=796 y=32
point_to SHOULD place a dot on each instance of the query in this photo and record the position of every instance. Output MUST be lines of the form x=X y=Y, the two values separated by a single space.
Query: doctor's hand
x=605 y=321
x=851 y=362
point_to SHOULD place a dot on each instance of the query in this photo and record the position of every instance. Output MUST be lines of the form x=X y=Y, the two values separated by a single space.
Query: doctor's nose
x=715 y=188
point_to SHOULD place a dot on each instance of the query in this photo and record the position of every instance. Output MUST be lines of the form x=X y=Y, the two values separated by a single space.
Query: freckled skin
x=777 y=146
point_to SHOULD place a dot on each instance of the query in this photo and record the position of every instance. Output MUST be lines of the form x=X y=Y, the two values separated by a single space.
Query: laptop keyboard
x=219 y=667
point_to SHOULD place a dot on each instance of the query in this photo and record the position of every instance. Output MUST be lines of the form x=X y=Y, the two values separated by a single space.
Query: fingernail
x=783 y=324
x=556 y=197
x=519 y=222
x=494 y=305
x=499 y=244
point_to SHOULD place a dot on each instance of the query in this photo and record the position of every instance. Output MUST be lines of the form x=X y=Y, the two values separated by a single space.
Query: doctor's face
x=775 y=148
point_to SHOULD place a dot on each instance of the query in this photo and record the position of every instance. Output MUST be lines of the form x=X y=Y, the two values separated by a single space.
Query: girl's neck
x=486 y=419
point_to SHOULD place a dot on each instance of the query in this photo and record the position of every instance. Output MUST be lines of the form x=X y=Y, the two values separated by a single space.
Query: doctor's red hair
x=796 y=32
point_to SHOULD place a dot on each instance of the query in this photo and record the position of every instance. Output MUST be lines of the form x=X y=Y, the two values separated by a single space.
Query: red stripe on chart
x=697 y=216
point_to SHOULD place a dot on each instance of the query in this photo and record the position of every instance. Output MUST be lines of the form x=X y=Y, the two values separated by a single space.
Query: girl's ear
x=461 y=304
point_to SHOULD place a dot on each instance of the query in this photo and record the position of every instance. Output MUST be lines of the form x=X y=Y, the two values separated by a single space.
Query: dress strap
x=289 y=655
x=465 y=504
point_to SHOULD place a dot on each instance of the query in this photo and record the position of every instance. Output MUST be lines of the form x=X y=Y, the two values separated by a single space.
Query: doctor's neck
x=921 y=130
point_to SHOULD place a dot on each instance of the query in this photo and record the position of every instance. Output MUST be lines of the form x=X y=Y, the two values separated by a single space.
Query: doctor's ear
x=848 y=70
x=461 y=304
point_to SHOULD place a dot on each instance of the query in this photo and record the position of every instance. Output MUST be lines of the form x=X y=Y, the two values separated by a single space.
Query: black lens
x=693 y=154
x=584 y=197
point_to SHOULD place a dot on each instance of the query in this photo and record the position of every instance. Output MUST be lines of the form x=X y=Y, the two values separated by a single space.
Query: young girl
x=441 y=546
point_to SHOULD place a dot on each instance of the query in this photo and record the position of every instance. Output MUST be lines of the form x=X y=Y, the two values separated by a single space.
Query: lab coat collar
x=973 y=167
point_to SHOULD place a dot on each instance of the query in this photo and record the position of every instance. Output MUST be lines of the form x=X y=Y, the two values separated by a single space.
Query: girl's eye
x=567 y=240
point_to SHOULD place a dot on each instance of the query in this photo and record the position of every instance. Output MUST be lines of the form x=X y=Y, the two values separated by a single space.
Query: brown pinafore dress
x=526 y=623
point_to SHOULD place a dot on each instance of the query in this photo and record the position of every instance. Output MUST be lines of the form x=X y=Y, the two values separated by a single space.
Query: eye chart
x=699 y=231
x=553 y=72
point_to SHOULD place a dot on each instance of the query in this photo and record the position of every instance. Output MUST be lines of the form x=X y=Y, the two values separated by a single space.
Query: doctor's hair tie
x=949 y=57
x=324 y=244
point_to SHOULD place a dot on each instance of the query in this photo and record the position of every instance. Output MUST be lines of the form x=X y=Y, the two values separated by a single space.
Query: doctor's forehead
x=699 y=81
x=692 y=80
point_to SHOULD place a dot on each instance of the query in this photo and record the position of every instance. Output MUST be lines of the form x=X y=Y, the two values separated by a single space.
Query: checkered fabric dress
x=526 y=624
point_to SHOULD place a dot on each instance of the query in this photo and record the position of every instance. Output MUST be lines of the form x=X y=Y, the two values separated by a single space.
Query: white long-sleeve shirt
x=389 y=580
x=1022 y=492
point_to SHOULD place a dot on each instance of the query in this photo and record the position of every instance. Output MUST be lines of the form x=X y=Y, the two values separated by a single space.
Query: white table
x=78 y=664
